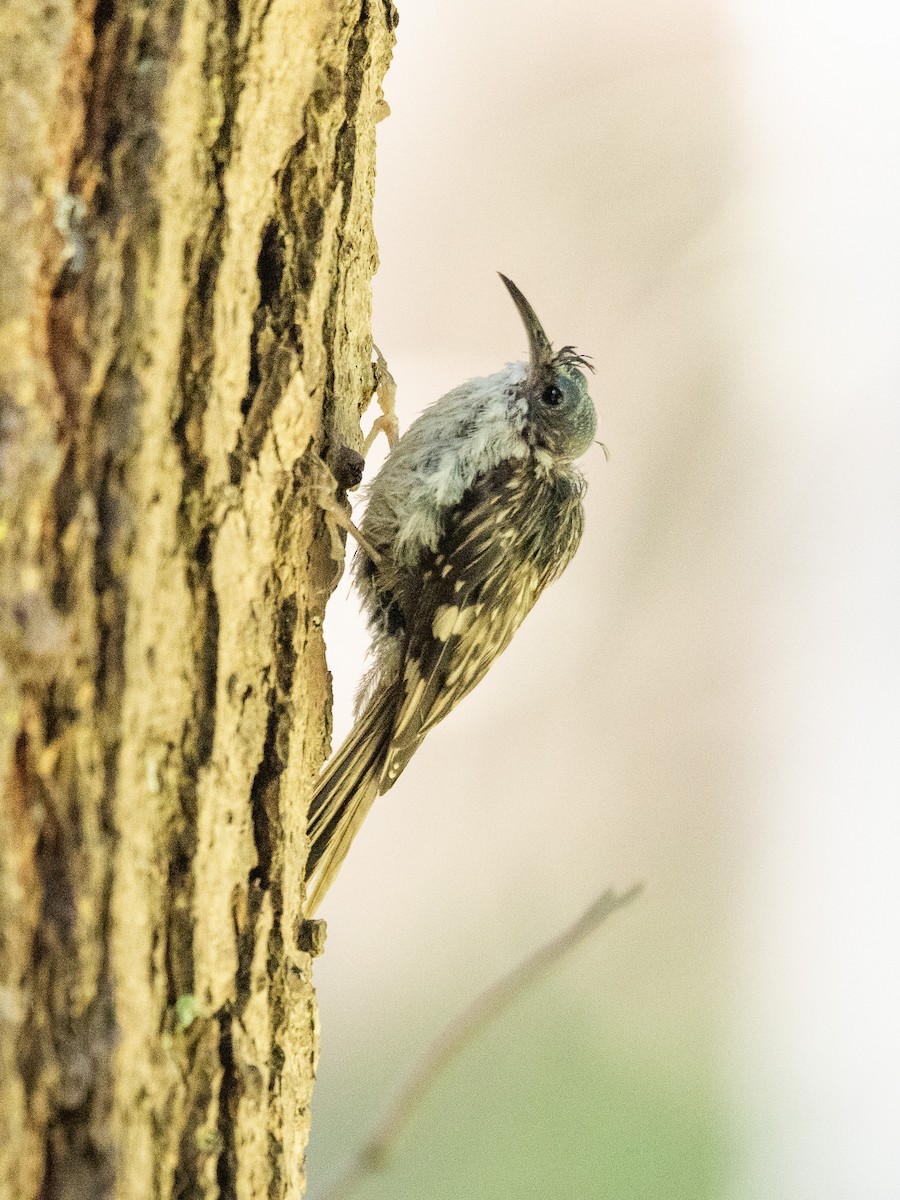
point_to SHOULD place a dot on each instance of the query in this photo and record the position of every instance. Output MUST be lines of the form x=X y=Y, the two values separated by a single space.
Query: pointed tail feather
x=346 y=791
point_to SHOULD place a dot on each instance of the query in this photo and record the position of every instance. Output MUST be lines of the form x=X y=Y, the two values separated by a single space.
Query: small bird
x=476 y=509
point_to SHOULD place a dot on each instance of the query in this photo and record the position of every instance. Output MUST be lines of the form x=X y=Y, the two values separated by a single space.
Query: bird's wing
x=500 y=550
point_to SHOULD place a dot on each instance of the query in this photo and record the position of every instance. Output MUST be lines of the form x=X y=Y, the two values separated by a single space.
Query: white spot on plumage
x=410 y=706
x=444 y=621
x=452 y=620
x=544 y=460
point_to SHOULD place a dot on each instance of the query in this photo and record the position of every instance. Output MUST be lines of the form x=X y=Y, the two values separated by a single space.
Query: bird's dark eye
x=551 y=395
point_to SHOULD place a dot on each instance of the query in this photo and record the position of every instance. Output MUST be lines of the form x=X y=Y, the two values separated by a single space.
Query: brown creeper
x=476 y=509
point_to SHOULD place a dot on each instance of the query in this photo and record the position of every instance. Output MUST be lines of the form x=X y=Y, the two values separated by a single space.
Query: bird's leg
x=348 y=466
x=319 y=479
x=386 y=390
x=340 y=518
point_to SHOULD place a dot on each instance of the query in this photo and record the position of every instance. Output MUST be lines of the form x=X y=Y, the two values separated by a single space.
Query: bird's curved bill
x=538 y=343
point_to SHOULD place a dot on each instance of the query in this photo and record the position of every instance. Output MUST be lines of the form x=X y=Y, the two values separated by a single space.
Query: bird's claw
x=385 y=389
x=320 y=480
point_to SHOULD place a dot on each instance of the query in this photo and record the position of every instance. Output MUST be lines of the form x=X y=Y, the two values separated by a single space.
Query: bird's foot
x=319 y=479
x=384 y=387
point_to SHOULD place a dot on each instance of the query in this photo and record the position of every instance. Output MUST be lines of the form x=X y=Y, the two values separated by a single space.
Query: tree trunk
x=185 y=262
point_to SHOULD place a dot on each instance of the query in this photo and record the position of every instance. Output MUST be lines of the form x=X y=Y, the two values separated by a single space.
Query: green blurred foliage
x=543 y=1106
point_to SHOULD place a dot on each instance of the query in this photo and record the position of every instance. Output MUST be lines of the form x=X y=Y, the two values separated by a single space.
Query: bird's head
x=561 y=415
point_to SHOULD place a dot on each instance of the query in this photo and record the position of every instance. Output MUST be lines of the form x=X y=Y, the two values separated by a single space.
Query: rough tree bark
x=185 y=260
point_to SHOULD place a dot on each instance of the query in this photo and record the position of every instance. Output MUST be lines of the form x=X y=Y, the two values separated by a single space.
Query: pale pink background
x=704 y=197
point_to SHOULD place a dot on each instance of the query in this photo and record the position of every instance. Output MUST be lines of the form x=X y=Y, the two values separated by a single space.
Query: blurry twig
x=373 y=1155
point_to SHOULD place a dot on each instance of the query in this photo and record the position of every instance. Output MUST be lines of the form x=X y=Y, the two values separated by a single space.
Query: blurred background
x=704 y=197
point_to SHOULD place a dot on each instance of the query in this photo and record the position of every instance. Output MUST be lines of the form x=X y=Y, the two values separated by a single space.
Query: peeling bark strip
x=185 y=260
